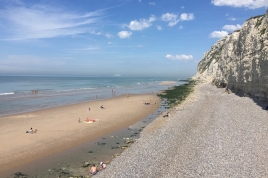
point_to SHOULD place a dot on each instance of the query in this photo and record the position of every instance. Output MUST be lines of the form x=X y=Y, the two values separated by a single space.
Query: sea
x=19 y=94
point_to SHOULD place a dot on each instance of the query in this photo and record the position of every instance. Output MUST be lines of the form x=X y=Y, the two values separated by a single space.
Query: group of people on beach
x=93 y=170
x=90 y=120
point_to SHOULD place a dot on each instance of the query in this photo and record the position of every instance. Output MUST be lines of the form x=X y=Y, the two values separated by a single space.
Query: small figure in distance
x=102 y=165
x=88 y=109
x=79 y=120
x=93 y=169
x=102 y=107
x=34 y=91
x=30 y=131
x=167 y=115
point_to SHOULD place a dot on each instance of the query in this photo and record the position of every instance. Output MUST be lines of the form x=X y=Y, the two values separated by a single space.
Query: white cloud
x=231 y=27
x=159 y=27
x=95 y=33
x=124 y=34
x=140 y=46
x=182 y=7
x=218 y=34
x=185 y=16
x=172 y=19
x=179 y=57
x=251 y=4
x=142 y=24
x=232 y=19
x=33 y=22
x=152 y=3
x=181 y=27
x=108 y=35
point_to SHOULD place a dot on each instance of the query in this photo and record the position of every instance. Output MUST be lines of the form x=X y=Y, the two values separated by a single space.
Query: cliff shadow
x=261 y=102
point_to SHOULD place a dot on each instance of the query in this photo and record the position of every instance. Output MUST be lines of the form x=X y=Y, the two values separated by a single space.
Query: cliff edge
x=239 y=61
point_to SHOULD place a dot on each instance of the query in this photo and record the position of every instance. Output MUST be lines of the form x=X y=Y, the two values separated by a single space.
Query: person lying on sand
x=93 y=169
x=91 y=120
x=31 y=130
x=167 y=115
x=102 y=107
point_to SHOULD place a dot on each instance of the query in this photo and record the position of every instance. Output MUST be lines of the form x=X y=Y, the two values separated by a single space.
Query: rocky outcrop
x=239 y=61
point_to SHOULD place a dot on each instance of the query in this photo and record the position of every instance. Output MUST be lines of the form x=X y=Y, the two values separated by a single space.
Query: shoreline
x=129 y=111
x=15 y=104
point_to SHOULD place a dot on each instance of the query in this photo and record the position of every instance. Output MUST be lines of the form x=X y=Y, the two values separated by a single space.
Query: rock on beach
x=211 y=134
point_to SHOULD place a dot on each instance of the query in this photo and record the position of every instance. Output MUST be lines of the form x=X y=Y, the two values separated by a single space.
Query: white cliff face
x=240 y=60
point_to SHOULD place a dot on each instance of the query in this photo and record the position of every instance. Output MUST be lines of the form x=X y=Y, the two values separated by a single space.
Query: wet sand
x=167 y=83
x=59 y=129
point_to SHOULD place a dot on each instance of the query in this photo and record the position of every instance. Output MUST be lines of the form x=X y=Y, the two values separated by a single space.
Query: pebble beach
x=211 y=134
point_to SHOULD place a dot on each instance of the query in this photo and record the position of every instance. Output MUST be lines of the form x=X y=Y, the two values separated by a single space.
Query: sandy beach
x=58 y=128
x=167 y=82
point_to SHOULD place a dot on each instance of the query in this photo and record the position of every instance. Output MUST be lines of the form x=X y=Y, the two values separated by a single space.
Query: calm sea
x=16 y=94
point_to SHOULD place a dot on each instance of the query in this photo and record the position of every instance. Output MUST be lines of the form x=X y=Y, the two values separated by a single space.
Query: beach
x=211 y=134
x=58 y=128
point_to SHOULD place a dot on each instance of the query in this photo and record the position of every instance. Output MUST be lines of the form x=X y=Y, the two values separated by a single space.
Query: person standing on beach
x=79 y=120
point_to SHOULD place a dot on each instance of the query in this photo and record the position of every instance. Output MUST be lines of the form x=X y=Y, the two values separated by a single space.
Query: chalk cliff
x=239 y=61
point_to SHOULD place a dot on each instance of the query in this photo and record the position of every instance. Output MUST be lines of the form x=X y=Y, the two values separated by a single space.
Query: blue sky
x=109 y=37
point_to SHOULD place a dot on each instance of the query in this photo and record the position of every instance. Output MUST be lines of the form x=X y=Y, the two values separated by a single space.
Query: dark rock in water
x=129 y=141
x=63 y=173
x=117 y=143
x=86 y=164
x=20 y=175
x=90 y=152
x=124 y=147
x=102 y=144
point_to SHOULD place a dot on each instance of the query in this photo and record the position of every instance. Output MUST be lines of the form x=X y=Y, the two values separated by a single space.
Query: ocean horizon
x=19 y=94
